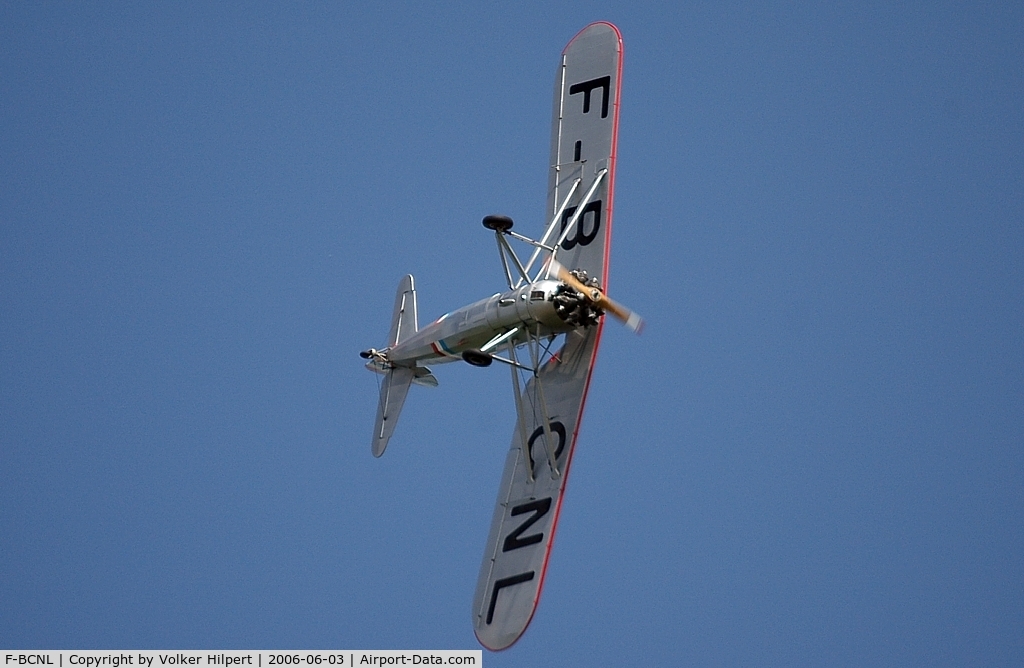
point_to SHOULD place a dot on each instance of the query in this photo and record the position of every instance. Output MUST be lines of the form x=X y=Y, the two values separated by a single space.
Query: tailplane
x=397 y=380
x=392 y=396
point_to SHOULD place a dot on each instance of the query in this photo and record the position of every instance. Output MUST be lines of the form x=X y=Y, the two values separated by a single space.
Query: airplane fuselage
x=530 y=307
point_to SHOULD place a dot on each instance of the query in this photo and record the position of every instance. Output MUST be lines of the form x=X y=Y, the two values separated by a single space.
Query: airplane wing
x=584 y=135
x=549 y=409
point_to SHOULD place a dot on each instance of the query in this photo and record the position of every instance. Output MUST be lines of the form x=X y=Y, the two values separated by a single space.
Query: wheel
x=498 y=223
x=477 y=357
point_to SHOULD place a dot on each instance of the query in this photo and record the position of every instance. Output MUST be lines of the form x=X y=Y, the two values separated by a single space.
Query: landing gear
x=498 y=223
x=477 y=357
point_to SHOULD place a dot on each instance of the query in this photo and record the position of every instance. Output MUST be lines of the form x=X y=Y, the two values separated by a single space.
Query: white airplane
x=545 y=328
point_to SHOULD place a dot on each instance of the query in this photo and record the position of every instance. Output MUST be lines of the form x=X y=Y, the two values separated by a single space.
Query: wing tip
x=614 y=28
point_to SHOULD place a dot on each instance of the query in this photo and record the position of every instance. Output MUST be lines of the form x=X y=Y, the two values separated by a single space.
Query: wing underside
x=549 y=408
x=531 y=490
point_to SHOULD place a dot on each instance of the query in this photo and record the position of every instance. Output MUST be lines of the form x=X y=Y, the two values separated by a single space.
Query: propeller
x=630 y=319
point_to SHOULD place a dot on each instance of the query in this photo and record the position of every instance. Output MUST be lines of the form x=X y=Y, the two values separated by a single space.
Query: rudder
x=403 y=319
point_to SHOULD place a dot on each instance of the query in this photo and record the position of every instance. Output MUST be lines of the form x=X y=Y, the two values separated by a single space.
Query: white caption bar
x=161 y=658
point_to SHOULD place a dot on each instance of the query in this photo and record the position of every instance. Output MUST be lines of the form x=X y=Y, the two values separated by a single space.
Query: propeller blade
x=629 y=318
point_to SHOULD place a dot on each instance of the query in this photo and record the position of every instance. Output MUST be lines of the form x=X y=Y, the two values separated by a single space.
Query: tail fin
x=403 y=320
x=392 y=396
x=397 y=379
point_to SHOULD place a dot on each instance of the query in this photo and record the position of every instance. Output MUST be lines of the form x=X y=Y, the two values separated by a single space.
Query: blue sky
x=811 y=457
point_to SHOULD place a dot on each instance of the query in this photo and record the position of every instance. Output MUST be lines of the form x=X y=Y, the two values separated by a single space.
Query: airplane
x=546 y=328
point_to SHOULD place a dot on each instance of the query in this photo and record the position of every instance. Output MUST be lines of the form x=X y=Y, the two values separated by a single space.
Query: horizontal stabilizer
x=422 y=376
x=393 y=391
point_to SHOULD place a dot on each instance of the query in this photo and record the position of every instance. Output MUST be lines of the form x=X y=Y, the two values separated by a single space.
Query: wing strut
x=504 y=260
x=580 y=209
x=506 y=251
x=499 y=339
x=536 y=356
x=542 y=244
x=524 y=445
x=504 y=248
x=551 y=225
x=546 y=423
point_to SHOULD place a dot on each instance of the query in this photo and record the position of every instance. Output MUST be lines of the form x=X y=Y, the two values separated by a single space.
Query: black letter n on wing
x=540 y=508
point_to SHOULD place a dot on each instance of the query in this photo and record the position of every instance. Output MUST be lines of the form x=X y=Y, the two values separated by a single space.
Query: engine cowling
x=574 y=307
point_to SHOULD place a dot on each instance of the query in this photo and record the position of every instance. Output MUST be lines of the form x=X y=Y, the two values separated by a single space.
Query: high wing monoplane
x=545 y=328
